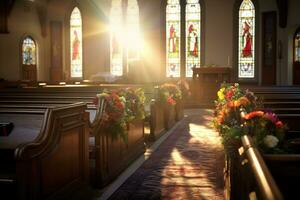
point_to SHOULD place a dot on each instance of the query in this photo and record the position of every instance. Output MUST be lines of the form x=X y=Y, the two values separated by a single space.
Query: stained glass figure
x=116 y=37
x=246 y=39
x=76 y=43
x=133 y=31
x=29 y=51
x=173 y=38
x=297 y=47
x=193 y=15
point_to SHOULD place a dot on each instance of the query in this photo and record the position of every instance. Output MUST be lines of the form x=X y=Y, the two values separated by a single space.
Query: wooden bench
x=113 y=155
x=46 y=155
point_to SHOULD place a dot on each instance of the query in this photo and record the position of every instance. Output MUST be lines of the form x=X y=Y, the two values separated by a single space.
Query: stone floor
x=187 y=165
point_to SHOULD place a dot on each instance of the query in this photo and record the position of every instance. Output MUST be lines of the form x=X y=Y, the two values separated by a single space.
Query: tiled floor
x=187 y=165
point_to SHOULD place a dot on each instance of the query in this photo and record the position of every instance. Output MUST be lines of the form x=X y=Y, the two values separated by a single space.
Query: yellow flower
x=221 y=94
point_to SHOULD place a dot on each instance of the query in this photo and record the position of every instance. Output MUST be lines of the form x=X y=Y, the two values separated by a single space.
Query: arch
x=29 y=58
x=246 y=40
x=133 y=30
x=76 y=43
x=296 y=57
x=173 y=38
x=116 y=38
x=193 y=36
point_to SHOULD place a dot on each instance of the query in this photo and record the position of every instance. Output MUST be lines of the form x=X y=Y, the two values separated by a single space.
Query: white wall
x=218 y=35
x=22 y=20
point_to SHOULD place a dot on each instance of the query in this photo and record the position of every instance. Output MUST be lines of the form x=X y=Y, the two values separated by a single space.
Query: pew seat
x=46 y=154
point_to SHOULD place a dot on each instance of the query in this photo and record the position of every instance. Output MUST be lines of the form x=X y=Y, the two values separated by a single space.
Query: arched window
x=116 y=38
x=133 y=31
x=124 y=35
x=297 y=46
x=29 y=51
x=246 y=49
x=190 y=56
x=76 y=43
x=173 y=38
x=29 y=59
x=193 y=31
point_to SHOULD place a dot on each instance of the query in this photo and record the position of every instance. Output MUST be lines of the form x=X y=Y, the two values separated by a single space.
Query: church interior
x=149 y=99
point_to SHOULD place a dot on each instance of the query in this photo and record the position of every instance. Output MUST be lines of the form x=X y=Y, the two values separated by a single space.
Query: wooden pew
x=108 y=158
x=46 y=155
x=113 y=155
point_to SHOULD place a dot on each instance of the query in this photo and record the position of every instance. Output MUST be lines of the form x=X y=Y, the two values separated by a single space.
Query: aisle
x=187 y=165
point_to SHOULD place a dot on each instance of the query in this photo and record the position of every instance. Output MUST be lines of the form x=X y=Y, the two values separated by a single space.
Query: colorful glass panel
x=173 y=38
x=76 y=43
x=116 y=35
x=133 y=31
x=246 y=40
x=29 y=51
x=297 y=47
x=192 y=46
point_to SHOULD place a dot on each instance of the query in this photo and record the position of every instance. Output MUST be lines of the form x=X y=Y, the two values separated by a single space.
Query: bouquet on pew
x=269 y=130
x=123 y=106
x=229 y=105
x=134 y=104
x=169 y=93
x=114 y=121
x=238 y=113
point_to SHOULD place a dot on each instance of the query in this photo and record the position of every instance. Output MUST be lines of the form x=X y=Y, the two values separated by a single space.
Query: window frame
x=183 y=4
x=235 y=66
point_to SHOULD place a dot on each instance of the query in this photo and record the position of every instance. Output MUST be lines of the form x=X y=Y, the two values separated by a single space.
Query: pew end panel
x=157 y=126
x=113 y=155
x=56 y=163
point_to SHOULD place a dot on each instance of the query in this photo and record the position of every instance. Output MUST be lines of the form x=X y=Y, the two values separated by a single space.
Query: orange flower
x=254 y=114
x=243 y=101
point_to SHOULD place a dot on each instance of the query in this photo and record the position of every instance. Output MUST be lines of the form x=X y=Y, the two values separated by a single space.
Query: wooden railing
x=268 y=189
x=249 y=177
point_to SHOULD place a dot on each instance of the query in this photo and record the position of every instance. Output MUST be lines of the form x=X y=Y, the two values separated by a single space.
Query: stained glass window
x=246 y=39
x=192 y=43
x=297 y=46
x=29 y=51
x=76 y=43
x=133 y=31
x=116 y=36
x=173 y=38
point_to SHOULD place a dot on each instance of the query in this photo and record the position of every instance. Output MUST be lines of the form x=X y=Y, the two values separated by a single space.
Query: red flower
x=229 y=94
x=279 y=123
x=171 y=101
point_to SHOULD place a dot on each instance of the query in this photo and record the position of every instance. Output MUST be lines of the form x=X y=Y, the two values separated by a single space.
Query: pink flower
x=279 y=123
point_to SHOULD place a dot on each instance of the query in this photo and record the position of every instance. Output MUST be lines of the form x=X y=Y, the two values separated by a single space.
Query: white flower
x=271 y=141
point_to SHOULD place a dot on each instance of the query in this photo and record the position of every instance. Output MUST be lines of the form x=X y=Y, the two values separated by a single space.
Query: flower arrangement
x=169 y=93
x=123 y=106
x=269 y=130
x=229 y=105
x=134 y=104
x=238 y=112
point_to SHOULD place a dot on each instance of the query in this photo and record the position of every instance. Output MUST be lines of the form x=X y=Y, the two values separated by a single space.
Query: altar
x=206 y=82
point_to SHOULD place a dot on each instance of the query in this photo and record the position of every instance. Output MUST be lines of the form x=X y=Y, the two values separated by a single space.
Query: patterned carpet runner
x=188 y=165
